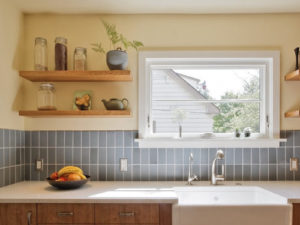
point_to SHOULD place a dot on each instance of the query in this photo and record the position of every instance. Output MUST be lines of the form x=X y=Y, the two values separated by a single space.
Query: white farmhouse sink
x=230 y=205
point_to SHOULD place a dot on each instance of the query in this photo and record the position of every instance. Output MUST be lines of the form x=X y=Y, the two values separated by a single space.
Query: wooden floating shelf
x=73 y=113
x=294 y=113
x=76 y=76
x=295 y=75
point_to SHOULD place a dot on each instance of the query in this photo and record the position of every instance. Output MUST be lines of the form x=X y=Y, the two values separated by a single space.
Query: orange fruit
x=73 y=176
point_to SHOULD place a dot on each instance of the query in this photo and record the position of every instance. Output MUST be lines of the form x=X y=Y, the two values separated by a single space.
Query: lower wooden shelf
x=73 y=113
x=294 y=113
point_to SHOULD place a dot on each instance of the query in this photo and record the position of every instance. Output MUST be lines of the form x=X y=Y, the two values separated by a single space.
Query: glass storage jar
x=46 y=97
x=40 y=54
x=61 y=54
x=80 y=59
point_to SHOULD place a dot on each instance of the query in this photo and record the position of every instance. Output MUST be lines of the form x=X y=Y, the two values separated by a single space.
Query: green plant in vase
x=116 y=59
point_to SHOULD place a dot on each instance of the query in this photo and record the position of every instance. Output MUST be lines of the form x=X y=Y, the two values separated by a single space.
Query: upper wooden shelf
x=295 y=75
x=76 y=76
x=293 y=113
x=74 y=113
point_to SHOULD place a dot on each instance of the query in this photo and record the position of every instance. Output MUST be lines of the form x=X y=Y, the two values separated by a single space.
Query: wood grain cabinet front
x=17 y=214
x=127 y=214
x=65 y=214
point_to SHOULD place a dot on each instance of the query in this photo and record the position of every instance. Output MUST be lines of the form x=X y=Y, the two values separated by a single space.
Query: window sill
x=209 y=143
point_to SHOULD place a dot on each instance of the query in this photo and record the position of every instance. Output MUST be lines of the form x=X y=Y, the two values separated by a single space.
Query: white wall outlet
x=123 y=165
x=39 y=164
x=294 y=166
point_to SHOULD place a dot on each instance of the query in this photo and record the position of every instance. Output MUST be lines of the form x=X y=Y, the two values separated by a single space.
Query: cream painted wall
x=11 y=29
x=215 y=32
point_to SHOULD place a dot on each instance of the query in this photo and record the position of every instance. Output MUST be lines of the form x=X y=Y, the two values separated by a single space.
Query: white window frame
x=267 y=61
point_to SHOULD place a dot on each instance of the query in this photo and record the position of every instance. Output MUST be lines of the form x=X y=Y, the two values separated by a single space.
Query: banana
x=70 y=169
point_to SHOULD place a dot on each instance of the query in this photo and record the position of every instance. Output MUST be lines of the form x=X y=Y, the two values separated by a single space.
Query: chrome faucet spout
x=191 y=177
x=214 y=176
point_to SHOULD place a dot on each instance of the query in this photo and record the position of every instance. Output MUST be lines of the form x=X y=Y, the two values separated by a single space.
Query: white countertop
x=125 y=192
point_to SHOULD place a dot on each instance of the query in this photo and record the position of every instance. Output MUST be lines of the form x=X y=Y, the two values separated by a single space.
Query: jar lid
x=47 y=86
x=80 y=49
x=61 y=40
x=41 y=40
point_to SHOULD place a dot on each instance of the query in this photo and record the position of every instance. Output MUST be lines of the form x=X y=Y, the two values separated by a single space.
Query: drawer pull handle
x=29 y=217
x=126 y=214
x=65 y=213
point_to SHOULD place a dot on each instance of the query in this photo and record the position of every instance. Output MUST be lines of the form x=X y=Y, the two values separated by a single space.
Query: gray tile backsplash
x=99 y=153
x=12 y=156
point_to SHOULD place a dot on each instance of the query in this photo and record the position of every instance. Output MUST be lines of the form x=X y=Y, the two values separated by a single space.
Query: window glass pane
x=213 y=84
x=203 y=101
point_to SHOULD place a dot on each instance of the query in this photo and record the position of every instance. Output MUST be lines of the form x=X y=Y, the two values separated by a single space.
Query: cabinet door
x=65 y=214
x=296 y=214
x=17 y=214
x=127 y=214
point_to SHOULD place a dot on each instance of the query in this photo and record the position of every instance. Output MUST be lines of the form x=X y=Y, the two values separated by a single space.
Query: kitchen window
x=193 y=98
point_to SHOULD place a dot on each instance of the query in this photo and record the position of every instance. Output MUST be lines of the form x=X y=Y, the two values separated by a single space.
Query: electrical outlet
x=294 y=166
x=123 y=165
x=39 y=164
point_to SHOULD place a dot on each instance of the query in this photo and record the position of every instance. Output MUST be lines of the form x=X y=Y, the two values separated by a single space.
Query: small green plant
x=115 y=38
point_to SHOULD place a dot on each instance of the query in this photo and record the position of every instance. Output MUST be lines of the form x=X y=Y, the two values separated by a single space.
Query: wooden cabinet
x=18 y=214
x=127 y=214
x=65 y=214
x=85 y=214
x=296 y=214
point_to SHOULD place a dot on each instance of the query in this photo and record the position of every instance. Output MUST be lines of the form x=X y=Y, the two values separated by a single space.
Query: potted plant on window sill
x=116 y=59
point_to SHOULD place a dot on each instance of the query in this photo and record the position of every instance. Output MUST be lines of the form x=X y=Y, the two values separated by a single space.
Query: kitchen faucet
x=214 y=176
x=191 y=177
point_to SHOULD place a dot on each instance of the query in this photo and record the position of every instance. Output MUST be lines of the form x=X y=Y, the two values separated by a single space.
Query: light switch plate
x=123 y=165
x=294 y=166
x=39 y=164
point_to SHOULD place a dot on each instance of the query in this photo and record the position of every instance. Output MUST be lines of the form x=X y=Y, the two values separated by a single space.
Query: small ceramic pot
x=117 y=59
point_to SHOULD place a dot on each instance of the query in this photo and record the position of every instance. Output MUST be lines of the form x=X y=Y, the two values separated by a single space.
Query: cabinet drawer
x=127 y=214
x=65 y=213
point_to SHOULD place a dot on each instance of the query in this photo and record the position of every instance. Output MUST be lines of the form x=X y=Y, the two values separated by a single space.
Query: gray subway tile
x=280 y=155
x=290 y=138
x=145 y=156
x=281 y=172
x=77 y=138
x=111 y=139
x=272 y=156
x=69 y=138
x=60 y=156
x=111 y=155
x=35 y=138
x=297 y=137
x=102 y=138
x=128 y=154
x=136 y=172
x=119 y=138
x=76 y=156
x=85 y=139
x=85 y=156
x=60 y=138
x=229 y=156
x=264 y=156
x=144 y=173
x=102 y=172
x=263 y=172
x=136 y=156
x=170 y=172
x=94 y=156
x=161 y=156
x=238 y=156
x=68 y=156
x=6 y=138
x=1 y=139
x=94 y=139
x=246 y=156
x=51 y=155
x=127 y=176
x=272 y=172
x=288 y=154
x=43 y=139
x=238 y=172
x=288 y=174
x=204 y=156
x=128 y=139
x=102 y=155
x=170 y=156
x=52 y=139
x=229 y=174
x=153 y=155
x=153 y=172
x=246 y=172
x=162 y=172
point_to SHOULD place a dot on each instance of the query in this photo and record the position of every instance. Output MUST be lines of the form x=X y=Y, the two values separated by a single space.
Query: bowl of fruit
x=69 y=177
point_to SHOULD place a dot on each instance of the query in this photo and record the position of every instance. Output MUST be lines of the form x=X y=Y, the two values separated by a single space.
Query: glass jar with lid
x=40 y=54
x=61 y=54
x=46 y=97
x=80 y=58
